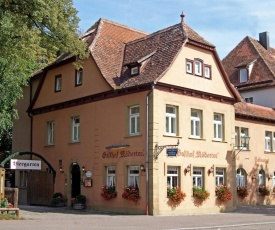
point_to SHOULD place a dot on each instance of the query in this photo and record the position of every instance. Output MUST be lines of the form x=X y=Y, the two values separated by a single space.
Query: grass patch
x=10 y=216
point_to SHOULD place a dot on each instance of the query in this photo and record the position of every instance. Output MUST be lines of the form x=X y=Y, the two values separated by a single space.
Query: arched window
x=241 y=177
x=261 y=177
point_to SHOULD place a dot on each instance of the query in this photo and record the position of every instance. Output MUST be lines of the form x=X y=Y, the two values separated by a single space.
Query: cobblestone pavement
x=38 y=217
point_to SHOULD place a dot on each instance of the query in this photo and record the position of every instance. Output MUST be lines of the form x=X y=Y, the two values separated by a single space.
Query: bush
x=80 y=199
x=242 y=191
x=200 y=193
x=108 y=192
x=175 y=194
x=222 y=193
x=58 y=198
x=131 y=193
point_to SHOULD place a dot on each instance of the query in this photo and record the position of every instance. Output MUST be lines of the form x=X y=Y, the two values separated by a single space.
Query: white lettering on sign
x=25 y=164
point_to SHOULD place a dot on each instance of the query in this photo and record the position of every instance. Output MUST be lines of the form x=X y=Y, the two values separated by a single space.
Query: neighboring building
x=250 y=68
x=137 y=99
x=255 y=163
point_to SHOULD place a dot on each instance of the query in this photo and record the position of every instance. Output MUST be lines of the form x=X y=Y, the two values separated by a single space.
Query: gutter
x=30 y=116
x=147 y=148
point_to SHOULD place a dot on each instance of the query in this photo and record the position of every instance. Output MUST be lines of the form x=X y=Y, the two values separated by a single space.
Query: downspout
x=30 y=116
x=147 y=149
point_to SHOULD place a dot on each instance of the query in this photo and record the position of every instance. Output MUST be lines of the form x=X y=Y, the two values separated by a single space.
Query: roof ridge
x=123 y=26
x=153 y=34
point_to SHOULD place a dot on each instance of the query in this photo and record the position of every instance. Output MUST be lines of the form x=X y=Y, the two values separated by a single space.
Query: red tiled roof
x=254 y=112
x=247 y=51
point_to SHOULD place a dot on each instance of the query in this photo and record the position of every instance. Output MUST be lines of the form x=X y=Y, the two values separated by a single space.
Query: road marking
x=218 y=227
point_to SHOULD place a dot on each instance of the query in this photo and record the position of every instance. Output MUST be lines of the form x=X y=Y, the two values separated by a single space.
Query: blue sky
x=224 y=23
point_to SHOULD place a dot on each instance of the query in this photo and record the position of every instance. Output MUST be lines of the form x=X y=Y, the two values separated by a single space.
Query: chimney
x=182 y=17
x=264 y=39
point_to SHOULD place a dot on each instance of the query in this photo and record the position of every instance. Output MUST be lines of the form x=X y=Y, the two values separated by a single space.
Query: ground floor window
x=133 y=176
x=241 y=177
x=198 y=177
x=111 y=175
x=220 y=175
x=172 y=177
x=261 y=177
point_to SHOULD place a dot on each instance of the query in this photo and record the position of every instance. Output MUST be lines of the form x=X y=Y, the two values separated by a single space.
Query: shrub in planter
x=176 y=195
x=242 y=191
x=200 y=193
x=58 y=199
x=222 y=193
x=79 y=199
x=108 y=192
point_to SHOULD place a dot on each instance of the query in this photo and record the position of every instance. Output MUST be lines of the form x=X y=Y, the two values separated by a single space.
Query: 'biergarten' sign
x=25 y=164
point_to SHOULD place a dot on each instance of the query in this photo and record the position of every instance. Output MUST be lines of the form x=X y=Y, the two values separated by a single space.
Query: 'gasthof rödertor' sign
x=25 y=164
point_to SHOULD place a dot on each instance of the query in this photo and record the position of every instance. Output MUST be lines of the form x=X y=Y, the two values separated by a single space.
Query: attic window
x=243 y=75
x=134 y=70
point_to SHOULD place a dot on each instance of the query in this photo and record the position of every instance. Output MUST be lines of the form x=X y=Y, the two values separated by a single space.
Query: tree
x=32 y=34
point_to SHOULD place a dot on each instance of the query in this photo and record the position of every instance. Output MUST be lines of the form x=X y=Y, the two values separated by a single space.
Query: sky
x=224 y=23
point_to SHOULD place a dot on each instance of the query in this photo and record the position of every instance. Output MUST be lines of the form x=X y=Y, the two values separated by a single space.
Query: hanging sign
x=25 y=164
x=172 y=152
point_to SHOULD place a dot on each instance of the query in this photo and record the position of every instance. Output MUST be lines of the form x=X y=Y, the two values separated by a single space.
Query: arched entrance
x=76 y=180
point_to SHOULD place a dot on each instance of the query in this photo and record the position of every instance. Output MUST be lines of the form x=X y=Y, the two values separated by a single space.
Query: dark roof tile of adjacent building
x=246 y=52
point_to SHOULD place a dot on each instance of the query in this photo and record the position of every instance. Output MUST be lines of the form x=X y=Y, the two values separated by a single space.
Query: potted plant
x=175 y=195
x=108 y=192
x=263 y=190
x=222 y=193
x=79 y=202
x=131 y=193
x=58 y=200
x=200 y=193
x=242 y=191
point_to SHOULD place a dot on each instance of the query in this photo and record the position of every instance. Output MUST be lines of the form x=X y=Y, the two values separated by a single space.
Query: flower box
x=222 y=193
x=131 y=193
x=200 y=193
x=175 y=195
x=242 y=191
x=108 y=192
x=263 y=190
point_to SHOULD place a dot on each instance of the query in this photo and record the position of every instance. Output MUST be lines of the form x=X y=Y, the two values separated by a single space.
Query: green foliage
x=200 y=193
x=4 y=203
x=32 y=33
x=80 y=199
x=175 y=194
x=108 y=192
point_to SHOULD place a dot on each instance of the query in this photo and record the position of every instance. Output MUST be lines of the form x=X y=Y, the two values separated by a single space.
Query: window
x=268 y=139
x=243 y=75
x=273 y=180
x=244 y=132
x=189 y=66
x=218 y=127
x=75 y=129
x=133 y=176
x=220 y=176
x=198 y=177
x=78 y=77
x=196 y=123
x=261 y=177
x=58 y=81
x=273 y=142
x=249 y=100
x=172 y=177
x=134 y=120
x=111 y=175
x=50 y=133
x=241 y=177
x=198 y=67
x=171 y=120
x=134 y=70
x=23 y=178
x=207 y=72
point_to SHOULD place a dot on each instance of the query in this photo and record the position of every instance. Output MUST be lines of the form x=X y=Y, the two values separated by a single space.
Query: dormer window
x=243 y=75
x=189 y=66
x=198 y=67
x=134 y=70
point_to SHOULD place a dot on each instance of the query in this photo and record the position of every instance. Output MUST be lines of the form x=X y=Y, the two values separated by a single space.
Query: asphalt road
x=46 y=218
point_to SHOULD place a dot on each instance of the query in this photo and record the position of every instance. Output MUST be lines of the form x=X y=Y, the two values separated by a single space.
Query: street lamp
x=244 y=141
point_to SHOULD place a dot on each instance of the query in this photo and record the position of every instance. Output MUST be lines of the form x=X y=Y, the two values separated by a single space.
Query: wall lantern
x=187 y=169
x=60 y=166
x=142 y=168
x=211 y=170
x=83 y=169
x=254 y=177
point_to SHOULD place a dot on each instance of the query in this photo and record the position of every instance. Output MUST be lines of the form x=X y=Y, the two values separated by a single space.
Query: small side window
x=78 y=77
x=189 y=66
x=134 y=70
x=58 y=81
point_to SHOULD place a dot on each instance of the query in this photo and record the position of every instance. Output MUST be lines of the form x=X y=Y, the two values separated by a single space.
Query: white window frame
x=50 y=133
x=189 y=66
x=133 y=176
x=171 y=120
x=134 y=126
x=218 y=126
x=220 y=176
x=111 y=175
x=207 y=72
x=196 y=123
x=79 y=77
x=273 y=182
x=261 y=177
x=134 y=70
x=172 y=176
x=198 y=67
x=241 y=177
x=198 y=177
x=58 y=83
x=243 y=75
x=75 y=129
x=273 y=142
x=244 y=132
x=268 y=140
